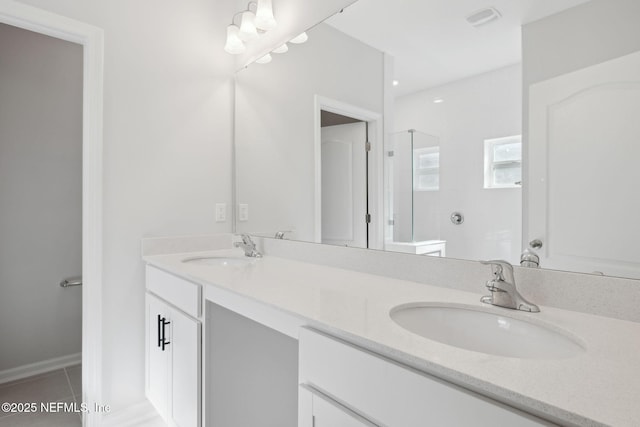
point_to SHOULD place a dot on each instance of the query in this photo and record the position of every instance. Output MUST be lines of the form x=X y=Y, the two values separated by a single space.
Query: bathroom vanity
x=315 y=345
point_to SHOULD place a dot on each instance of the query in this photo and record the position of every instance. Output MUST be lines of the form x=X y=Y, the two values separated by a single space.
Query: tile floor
x=62 y=385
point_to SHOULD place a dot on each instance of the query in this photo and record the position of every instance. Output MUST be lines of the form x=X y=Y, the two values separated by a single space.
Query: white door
x=344 y=185
x=185 y=370
x=583 y=169
x=157 y=375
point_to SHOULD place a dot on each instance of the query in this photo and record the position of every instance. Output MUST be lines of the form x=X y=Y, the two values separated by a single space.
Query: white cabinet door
x=173 y=371
x=320 y=411
x=157 y=374
x=185 y=370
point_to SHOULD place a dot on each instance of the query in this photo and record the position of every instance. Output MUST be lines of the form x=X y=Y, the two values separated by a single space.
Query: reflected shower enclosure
x=413 y=173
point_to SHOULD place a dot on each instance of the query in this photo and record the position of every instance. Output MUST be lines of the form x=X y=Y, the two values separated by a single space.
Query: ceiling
x=431 y=41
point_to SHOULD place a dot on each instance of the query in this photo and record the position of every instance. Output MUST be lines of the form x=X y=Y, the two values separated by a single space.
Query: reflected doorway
x=345 y=187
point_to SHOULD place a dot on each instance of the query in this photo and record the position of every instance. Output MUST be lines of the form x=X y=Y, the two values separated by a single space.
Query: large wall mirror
x=466 y=129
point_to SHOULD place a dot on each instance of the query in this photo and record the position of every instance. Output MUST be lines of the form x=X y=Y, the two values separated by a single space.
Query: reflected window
x=503 y=162
x=426 y=169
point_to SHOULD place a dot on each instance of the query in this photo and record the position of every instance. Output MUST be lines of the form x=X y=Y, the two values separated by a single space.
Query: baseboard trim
x=139 y=414
x=31 y=369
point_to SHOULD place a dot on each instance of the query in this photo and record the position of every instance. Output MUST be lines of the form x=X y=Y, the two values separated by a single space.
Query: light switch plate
x=221 y=212
x=243 y=212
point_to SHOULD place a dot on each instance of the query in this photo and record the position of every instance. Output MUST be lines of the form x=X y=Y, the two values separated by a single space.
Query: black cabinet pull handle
x=164 y=340
x=159 y=327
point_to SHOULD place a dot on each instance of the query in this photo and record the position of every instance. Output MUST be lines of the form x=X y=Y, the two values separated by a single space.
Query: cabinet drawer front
x=392 y=395
x=179 y=292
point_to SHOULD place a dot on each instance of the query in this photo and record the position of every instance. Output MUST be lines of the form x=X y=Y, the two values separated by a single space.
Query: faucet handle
x=499 y=268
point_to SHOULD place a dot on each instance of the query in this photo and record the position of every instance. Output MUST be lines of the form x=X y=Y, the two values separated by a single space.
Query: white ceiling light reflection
x=265 y=59
x=282 y=49
x=300 y=39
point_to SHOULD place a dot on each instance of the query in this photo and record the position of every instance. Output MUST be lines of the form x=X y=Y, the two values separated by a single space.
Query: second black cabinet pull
x=162 y=333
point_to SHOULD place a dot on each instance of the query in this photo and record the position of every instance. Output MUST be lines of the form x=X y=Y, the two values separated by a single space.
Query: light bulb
x=282 y=49
x=234 y=45
x=300 y=39
x=265 y=59
x=264 y=15
x=248 y=30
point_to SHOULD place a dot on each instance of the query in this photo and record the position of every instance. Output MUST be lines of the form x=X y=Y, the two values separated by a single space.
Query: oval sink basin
x=485 y=332
x=219 y=261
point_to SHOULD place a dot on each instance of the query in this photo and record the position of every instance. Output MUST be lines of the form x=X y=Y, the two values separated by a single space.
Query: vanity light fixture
x=438 y=100
x=264 y=15
x=300 y=39
x=395 y=83
x=282 y=49
x=248 y=29
x=265 y=59
x=234 y=45
x=251 y=25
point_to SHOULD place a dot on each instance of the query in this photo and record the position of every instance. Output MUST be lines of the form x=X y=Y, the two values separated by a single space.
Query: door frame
x=92 y=41
x=375 y=127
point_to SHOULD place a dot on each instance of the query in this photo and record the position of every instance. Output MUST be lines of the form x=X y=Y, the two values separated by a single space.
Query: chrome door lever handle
x=71 y=281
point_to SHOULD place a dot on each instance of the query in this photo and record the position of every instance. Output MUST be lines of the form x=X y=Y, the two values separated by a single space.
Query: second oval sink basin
x=219 y=261
x=485 y=332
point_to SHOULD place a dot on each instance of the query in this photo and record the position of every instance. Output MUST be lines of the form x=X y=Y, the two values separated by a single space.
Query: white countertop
x=598 y=387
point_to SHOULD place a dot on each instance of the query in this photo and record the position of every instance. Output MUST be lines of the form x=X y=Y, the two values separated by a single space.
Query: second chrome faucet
x=503 y=288
x=248 y=246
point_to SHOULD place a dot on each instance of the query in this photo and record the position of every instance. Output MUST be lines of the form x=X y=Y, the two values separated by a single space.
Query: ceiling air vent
x=483 y=16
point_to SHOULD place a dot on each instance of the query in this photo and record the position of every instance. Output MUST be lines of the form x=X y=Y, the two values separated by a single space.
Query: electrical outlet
x=221 y=212
x=243 y=212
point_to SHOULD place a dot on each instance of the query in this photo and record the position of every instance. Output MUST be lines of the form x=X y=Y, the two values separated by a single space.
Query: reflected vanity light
x=265 y=59
x=395 y=82
x=300 y=39
x=282 y=49
x=438 y=100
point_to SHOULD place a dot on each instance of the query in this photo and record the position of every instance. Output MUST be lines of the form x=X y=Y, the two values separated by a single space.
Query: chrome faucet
x=503 y=288
x=248 y=246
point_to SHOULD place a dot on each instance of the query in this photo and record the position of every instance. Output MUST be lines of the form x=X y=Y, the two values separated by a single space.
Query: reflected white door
x=583 y=168
x=344 y=185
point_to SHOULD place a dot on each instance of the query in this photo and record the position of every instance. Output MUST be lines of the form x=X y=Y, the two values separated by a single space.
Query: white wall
x=482 y=107
x=40 y=197
x=275 y=124
x=576 y=38
x=167 y=144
